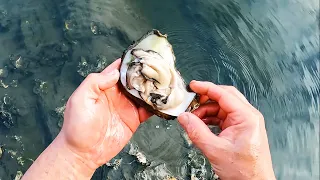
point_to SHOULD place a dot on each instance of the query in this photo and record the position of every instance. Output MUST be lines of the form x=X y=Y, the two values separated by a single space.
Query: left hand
x=99 y=120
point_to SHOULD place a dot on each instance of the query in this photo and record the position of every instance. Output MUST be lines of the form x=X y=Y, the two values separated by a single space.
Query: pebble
x=18 y=175
x=1 y=151
x=94 y=28
x=3 y=73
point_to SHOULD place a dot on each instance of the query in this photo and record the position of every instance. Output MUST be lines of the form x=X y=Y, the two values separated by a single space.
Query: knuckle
x=252 y=115
x=257 y=116
x=231 y=89
x=236 y=91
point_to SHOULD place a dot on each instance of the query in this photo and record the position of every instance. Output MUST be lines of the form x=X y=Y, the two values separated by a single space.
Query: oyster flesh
x=148 y=77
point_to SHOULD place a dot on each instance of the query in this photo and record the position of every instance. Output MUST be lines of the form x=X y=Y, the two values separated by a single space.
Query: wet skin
x=99 y=121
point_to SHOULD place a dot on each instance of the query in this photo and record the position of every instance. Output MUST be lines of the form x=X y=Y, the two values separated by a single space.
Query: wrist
x=79 y=165
x=59 y=162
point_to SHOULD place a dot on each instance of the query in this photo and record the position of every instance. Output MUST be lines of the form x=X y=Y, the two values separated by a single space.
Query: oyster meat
x=148 y=76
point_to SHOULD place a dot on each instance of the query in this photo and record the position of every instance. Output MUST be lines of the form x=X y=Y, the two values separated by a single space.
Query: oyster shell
x=149 y=78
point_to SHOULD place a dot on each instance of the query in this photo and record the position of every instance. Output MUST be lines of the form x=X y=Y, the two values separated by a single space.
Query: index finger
x=227 y=101
x=112 y=66
x=235 y=92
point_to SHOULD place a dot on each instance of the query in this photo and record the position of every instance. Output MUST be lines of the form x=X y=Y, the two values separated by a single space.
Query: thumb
x=199 y=133
x=95 y=83
x=109 y=79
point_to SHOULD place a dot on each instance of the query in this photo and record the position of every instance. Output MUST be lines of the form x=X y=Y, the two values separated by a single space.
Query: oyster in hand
x=149 y=78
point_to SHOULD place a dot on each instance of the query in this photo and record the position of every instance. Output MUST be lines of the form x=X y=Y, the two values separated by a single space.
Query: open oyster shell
x=149 y=78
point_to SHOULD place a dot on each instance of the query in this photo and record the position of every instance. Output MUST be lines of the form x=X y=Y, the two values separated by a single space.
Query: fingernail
x=189 y=89
x=113 y=72
x=184 y=119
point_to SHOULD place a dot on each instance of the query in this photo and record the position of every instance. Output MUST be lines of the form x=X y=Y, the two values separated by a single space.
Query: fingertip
x=200 y=86
x=109 y=79
x=199 y=133
x=114 y=65
x=189 y=121
x=196 y=129
x=192 y=83
x=115 y=73
x=183 y=118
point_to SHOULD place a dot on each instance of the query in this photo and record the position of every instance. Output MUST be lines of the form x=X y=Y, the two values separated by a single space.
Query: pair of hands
x=99 y=121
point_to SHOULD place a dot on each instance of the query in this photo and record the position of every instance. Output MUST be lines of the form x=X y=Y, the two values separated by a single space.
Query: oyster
x=149 y=78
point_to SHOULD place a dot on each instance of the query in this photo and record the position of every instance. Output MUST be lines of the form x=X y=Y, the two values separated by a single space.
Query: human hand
x=241 y=150
x=99 y=120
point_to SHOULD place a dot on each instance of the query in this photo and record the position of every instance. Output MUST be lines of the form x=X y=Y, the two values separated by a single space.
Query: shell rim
x=139 y=102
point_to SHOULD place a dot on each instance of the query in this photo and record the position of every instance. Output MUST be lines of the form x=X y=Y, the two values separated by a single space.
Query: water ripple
x=269 y=50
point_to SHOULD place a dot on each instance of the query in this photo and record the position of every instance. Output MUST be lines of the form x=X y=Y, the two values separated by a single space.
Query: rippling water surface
x=269 y=50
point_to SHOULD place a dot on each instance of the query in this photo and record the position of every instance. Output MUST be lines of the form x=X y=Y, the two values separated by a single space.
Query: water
x=269 y=50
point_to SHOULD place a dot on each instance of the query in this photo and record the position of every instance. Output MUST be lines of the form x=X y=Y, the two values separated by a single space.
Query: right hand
x=241 y=150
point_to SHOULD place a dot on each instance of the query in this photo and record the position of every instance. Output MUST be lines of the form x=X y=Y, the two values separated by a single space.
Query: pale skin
x=99 y=121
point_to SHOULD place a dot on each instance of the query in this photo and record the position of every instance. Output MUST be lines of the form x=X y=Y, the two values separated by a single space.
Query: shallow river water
x=269 y=50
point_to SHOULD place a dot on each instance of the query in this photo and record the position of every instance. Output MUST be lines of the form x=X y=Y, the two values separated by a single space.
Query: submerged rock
x=5 y=21
x=85 y=67
x=8 y=112
x=6 y=118
x=115 y=163
x=200 y=168
x=159 y=172
x=139 y=155
x=3 y=72
x=18 y=175
x=59 y=112
x=1 y=151
x=41 y=87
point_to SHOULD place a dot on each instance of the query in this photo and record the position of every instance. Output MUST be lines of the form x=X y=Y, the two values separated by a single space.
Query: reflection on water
x=269 y=50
